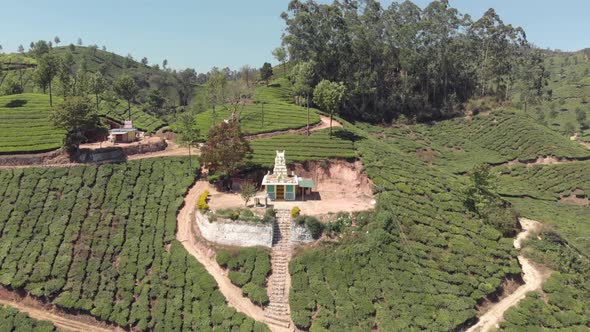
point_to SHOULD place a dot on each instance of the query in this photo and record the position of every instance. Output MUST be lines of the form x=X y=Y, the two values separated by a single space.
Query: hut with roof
x=279 y=185
x=125 y=134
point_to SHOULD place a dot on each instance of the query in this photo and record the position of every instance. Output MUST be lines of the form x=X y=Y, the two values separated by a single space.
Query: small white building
x=126 y=134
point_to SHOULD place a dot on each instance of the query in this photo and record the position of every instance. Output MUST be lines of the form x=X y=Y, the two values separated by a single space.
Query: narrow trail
x=186 y=234
x=533 y=279
x=61 y=321
x=278 y=311
x=323 y=124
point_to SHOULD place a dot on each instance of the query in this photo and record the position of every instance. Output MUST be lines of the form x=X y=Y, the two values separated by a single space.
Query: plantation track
x=533 y=279
x=323 y=124
x=61 y=321
x=186 y=234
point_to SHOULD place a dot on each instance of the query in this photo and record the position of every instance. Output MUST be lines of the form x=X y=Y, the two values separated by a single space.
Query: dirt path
x=533 y=279
x=61 y=321
x=186 y=235
x=323 y=124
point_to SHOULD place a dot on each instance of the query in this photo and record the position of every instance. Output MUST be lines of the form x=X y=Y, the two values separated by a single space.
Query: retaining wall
x=234 y=233
x=300 y=234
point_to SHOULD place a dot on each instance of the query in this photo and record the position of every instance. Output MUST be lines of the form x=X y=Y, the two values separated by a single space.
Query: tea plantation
x=279 y=112
x=141 y=119
x=25 y=125
x=457 y=145
x=13 y=320
x=248 y=268
x=420 y=263
x=317 y=146
x=536 y=192
x=564 y=303
x=100 y=239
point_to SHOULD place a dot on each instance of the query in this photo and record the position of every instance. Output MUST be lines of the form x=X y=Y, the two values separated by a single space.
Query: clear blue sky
x=205 y=33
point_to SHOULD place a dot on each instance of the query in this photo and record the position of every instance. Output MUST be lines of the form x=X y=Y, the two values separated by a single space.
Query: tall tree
x=266 y=71
x=328 y=96
x=47 y=68
x=56 y=40
x=126 y=88
x=97 y=85
x=187 y=80
x=155 y=100
x=164 y=63
x=304 y=78
x=280 y=53
x=188 y=132
x=225 y=150
x=79 y=42
x=21 y=49
x=216 y=89
x=144 y=61
x=40 y=48
x=76 y=116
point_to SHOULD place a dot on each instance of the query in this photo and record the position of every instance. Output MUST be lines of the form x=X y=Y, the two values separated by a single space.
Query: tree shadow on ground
x=16 y=103
x=347 y=135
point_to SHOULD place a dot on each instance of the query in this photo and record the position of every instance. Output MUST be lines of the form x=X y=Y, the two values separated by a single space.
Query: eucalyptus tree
x=280 y=53
x=328 y=95
x=304 y=78
x=216 y=89
x=47 y=69
x=126 y=89
x=97 y=85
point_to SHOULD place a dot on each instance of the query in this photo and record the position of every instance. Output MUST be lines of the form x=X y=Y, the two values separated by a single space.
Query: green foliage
x=317 y=146
x=248 y=268
x=247 y=191
x=126 y=88
x=25 y=124
x=432 y=256
x=13 y=320
x=315 y=227
x=225 y=149
x=441 y=58
x=564 y=301
x=481 y=193
x=266 y=71
x=202 y=201
x=84 y=236
x=76 y=116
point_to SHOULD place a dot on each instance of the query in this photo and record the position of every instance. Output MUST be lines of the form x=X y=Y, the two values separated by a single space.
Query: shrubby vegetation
x=460 y=144
x=100 y=239
x=248 y=268
x=434 y=262
x=25 y=124
x=12 y=320
x=316 y=228
x=243 y=215
x=564 y=302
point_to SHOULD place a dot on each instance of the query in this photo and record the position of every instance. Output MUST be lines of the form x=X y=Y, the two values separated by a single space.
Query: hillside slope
x=25 y=124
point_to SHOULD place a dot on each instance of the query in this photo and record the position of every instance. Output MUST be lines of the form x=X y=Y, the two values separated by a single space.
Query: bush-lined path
x=61 y=321
x=533 y=279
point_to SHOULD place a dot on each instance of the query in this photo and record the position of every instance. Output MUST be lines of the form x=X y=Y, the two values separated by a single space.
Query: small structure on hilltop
x=125 y=134
x=279 y=185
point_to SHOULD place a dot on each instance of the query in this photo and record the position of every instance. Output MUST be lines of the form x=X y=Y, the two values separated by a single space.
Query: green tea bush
x=13 y=320
x=248 y=268
x=101 y=240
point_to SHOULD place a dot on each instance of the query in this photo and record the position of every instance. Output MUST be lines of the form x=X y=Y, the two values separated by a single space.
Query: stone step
x=278 y=318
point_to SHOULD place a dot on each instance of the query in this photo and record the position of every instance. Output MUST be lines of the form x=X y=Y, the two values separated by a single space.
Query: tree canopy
x=76 y=116
x=225 y=149
x=402 y=59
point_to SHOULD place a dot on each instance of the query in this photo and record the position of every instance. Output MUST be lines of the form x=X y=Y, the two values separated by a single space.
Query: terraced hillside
x=569 y=83
x=434 y=263
x=279 y=112
x=142 y=120
x=556 y=194
x=503 y=136
x=100 y=240
x=25 y=124
x=317 y=146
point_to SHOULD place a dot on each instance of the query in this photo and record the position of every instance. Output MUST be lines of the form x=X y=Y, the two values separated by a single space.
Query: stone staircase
x=278 y=312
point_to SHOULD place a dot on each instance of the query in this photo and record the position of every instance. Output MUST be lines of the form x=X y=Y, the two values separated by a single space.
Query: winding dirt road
x=60 y=320
x=323 y=124
x=533 y=279
x=186 y=235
